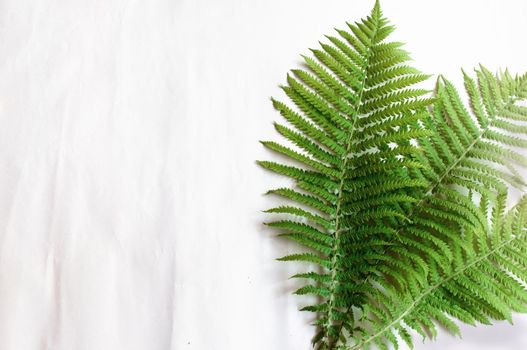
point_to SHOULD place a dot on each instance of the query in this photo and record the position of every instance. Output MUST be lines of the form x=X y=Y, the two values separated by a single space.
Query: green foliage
x=483 y=280
x=399 y=196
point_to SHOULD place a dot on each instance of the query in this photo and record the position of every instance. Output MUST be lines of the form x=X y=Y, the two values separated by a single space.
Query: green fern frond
x=445 y=212
x=485 y=281
x=354 y=118
x=456 y=133
x=398 y=197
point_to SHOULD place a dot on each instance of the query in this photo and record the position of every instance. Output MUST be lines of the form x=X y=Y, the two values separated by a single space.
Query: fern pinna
x=399 y=196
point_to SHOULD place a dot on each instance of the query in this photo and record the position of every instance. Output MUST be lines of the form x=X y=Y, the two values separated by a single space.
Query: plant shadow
x=501 y=335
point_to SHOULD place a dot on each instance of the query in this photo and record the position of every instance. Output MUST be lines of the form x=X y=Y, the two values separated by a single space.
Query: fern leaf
x=486 y=284
x=355 y=115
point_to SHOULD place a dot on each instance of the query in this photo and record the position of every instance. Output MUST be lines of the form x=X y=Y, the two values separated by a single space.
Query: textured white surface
x=129 y=197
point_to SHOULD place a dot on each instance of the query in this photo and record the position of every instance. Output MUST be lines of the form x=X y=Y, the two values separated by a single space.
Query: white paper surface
x=129 y=197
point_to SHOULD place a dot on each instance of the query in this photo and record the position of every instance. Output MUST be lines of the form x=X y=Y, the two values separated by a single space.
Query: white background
x=129 y=197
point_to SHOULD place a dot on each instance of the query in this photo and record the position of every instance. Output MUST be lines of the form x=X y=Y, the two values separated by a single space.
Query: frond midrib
x=340 y=196
x=340 y=199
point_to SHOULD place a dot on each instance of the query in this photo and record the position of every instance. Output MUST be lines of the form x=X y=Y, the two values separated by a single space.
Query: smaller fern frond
x=485 y=281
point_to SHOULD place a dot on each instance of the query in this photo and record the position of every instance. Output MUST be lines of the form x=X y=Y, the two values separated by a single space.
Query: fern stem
x=334 y=260
x=332 y=341
x=448 y=170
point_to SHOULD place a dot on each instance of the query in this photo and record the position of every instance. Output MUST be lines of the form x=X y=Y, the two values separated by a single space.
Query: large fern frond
x=356 y=167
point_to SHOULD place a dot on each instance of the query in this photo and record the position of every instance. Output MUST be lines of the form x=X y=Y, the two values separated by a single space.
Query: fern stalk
x=376 y=15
